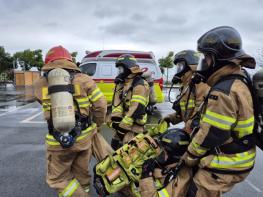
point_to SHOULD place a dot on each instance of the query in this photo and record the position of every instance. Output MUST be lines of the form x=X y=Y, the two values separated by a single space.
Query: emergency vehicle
x=101 y=66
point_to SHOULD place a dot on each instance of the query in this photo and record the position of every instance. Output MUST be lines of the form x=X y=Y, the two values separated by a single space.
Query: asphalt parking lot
x=22 y=151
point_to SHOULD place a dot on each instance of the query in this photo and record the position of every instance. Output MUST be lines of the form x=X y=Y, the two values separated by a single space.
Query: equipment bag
x=124 y=167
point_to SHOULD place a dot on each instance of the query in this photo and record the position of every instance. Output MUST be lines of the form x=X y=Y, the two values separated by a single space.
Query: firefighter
x=222 y=148
x=190 y=97
x=130 y=100
x=74 y=108
x=154 y=182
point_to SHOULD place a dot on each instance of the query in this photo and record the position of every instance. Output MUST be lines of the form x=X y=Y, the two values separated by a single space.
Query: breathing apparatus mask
x=123 y=73
x=207 y=65
x=204 y=69
x=181 y=69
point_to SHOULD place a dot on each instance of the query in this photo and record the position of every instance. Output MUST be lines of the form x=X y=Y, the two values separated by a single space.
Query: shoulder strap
x=256 y=137
x=138 y=80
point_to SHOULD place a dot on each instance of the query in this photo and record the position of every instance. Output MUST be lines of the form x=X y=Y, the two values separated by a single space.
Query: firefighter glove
x=163 y=126
x=148 y=168
x=119 y=130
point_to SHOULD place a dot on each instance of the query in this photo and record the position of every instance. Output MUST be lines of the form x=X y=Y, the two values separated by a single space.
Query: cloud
x=150 y=25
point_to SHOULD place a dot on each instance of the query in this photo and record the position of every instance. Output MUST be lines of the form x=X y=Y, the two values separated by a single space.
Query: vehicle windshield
x=89 y=68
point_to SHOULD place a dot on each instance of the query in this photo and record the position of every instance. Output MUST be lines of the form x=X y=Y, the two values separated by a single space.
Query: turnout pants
x=209 y=184
x=68 y=169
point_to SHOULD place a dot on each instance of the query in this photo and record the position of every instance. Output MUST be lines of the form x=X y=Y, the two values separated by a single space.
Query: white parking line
x=17 y=108
x=29 y=119
x=253 y=186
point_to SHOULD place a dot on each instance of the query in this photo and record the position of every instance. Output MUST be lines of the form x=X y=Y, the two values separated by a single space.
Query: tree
x=6 y=65
x=6 y=61
x=166 y=62
x=74 y=55
x=30 y=58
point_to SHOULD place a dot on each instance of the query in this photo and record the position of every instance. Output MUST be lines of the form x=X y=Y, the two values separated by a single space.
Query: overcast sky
x=149 y=25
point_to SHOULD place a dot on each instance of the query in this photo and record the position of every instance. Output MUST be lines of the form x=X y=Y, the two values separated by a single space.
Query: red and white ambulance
x=101 y=66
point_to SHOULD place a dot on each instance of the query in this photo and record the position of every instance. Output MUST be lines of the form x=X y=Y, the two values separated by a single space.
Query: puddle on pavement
x=12 y=97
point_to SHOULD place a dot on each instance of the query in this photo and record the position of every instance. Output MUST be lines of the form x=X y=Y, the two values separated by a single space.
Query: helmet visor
x=120 y=69
x=180 y=66
x=202 y=64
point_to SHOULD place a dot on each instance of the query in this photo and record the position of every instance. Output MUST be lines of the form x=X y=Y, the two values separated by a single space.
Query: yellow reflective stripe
x=46 y=106
x=83 y=102
x=183 y=142
x=77 y=90
x=242 y=123
x=50 y=140
x=127 y=120
x=240 y=160
x=45 y=94
x=183 y=108
x=163 y=192
x=117 y=109
x=191 y=101
x=244 y=127
x=191 y=104
x=198 y=149
x=218 y=120
x=95 y=95
x=86 y=132
x=70 y=189
x=143 y=120
x=139 y=99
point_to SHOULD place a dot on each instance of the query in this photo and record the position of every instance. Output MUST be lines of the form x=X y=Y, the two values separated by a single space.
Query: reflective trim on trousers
x=70 y=189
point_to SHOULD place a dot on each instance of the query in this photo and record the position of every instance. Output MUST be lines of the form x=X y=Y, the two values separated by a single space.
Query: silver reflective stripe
x=218 y=120
x=73 y=187
x=83 y=102
x=162 y=193
x=234 y=162
x=244 y=125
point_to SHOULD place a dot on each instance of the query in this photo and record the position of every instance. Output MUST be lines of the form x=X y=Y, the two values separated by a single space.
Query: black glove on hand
x=119 y=131
x=168 y=120
x=115 y=125
x=116 y=144
x=148 y=168
x=116 y=119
